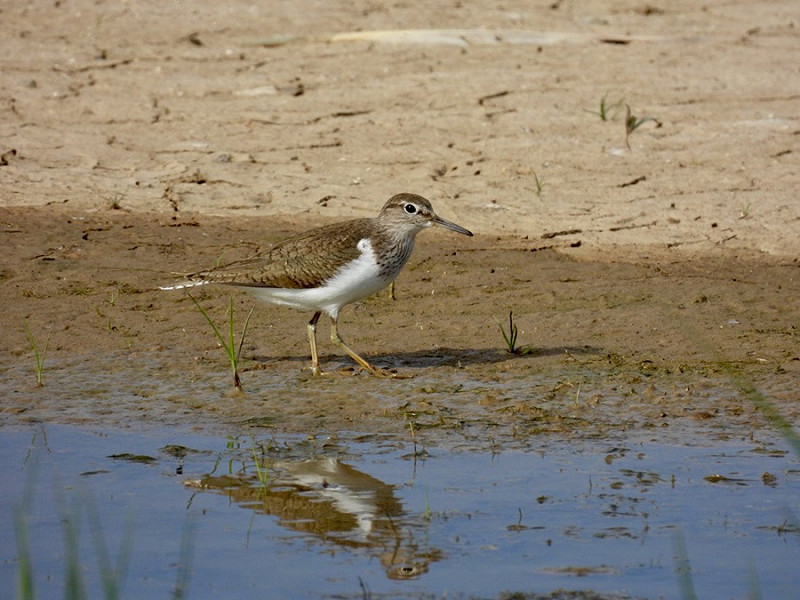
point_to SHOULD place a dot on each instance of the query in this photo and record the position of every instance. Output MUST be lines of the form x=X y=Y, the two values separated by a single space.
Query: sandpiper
x=327 y=268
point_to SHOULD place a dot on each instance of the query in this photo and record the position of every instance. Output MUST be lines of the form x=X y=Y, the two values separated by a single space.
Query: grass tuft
x=38 y=356
x=115 y=202
x=745 y=212
x=632 y=123
x=510 y=337
x=607 y=110
x=539 y=184
x=233 y=351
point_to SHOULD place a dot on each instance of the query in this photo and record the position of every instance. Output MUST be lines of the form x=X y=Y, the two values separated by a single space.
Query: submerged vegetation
x=72 y=512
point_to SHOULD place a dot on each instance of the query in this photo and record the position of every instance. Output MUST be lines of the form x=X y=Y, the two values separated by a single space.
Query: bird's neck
x=392 y=250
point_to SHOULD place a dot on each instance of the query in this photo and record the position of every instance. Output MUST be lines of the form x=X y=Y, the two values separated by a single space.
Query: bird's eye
x=410 y=209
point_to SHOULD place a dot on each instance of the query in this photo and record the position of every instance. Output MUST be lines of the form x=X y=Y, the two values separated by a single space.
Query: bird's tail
x=183 y=285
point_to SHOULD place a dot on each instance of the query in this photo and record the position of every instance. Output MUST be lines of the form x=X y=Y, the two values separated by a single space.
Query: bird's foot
x=347 y=371
x=386 y=374
x=350 y=371
x=316 y=371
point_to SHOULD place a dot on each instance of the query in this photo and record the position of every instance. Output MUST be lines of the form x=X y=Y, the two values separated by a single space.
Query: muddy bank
x=614 y=346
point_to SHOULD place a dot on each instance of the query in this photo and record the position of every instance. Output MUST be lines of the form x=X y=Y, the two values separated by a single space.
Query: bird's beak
x=440 y=222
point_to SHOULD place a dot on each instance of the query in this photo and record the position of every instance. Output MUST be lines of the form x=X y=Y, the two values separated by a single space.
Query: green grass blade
x=755 y=586
x=112 y=576
x=73 y=578
x=185 y=561
x=505 y=337
x=210 y=322
x=783 y=425
x=25 y=587
x=510 y=338
x=25 y=582
x=231 y=344
x=38 y=357
x=244 y=333
x=427 y=514
x=682 y=567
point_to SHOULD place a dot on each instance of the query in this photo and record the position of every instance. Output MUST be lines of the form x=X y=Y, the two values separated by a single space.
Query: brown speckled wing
x=303 y=261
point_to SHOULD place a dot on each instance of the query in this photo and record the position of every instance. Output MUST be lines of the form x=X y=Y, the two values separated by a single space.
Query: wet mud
x=622 y=343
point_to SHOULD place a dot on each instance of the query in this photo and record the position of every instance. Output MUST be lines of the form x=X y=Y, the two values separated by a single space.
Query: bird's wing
x=303 y=261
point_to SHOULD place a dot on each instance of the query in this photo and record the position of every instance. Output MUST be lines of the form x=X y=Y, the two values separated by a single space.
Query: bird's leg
x=312 y=340
x=340 y=342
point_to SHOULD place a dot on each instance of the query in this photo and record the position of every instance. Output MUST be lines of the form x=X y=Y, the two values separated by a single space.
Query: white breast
x=354 y=281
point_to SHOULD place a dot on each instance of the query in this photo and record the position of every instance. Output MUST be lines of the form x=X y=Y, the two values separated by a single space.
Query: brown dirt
x=653 y=283
x=613 y=346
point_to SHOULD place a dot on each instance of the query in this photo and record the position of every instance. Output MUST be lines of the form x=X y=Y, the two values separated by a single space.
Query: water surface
x=371 y=516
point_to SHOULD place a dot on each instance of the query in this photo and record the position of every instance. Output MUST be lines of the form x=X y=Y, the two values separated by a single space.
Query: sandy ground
x=139 y=139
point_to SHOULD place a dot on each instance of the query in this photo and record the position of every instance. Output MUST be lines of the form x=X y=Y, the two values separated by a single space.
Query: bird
x=326 y=268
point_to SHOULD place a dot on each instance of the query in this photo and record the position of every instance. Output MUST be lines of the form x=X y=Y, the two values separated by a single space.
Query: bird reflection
x=335 y=502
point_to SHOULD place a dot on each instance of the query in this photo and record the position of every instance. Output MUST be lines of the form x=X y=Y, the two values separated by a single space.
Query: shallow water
x=371 y=516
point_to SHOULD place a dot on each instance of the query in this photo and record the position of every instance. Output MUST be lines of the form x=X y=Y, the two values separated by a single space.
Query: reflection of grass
x=230 y=347
x=262 y=473
x=427 y=514
x=366 y=594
